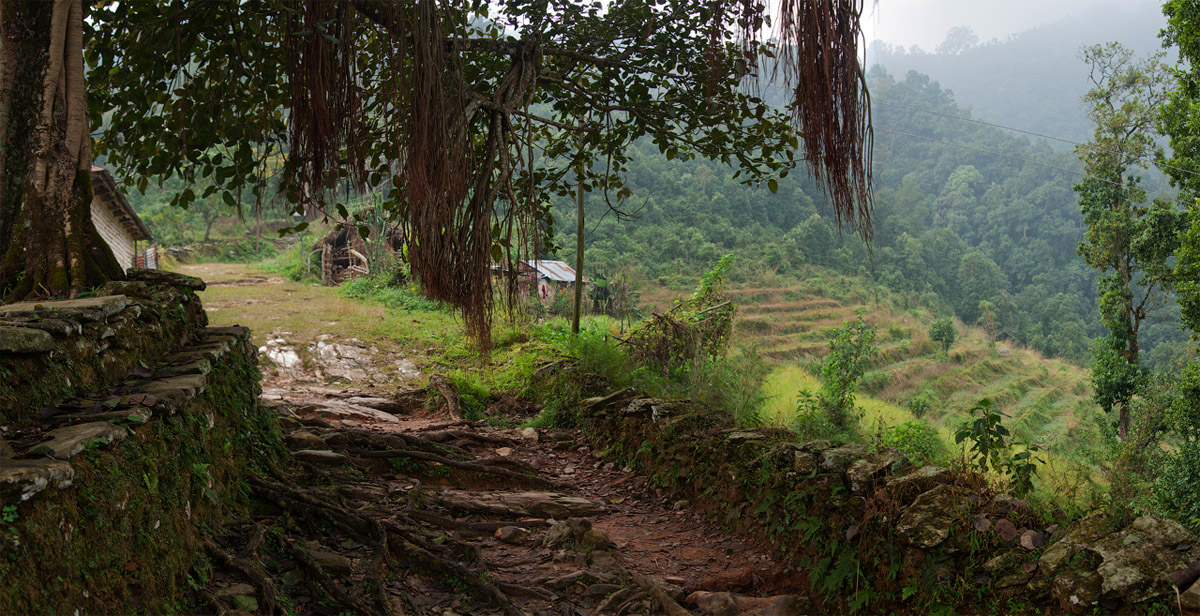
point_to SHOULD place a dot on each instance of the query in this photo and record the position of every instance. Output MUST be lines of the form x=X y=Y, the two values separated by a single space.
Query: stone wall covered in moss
x=56 y=349
x=866 y=531
x=107 y=489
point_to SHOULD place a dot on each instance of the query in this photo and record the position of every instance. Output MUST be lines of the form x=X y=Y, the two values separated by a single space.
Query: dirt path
x=534 y=515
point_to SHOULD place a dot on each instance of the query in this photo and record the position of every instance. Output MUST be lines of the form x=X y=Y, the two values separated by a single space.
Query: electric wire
x=1017 y=130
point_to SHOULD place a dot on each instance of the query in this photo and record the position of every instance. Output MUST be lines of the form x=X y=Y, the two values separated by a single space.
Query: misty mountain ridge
x=1032 y=80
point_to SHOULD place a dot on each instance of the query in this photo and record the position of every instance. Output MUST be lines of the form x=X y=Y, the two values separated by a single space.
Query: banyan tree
x=463 y=116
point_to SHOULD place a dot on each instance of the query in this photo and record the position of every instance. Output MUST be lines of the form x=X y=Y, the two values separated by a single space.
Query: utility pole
x=578 y=241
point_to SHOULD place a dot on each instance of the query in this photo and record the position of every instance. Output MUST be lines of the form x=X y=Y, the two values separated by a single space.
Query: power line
x=1018 y=158
x=965 y=119
x=1017 y=130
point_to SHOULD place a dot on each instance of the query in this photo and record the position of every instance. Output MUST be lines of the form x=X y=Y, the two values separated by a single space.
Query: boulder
x=1008 y=532
x=1091 y=566
x=593 y=406
x=595 y=538
x=333 y=564
x=1190 y=599
x=1087 y=531
x=1138 y=561
x=863 y=473
x=25 y=340
x=561 y=533
x=804 y=462
x=512 y=534
x=927 y=521
x=713 y=603
x=840 y=458
x=918 y=481
x=173 y=392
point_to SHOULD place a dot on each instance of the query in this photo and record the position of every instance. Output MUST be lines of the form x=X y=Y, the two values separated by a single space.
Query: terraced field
x=1048 y=400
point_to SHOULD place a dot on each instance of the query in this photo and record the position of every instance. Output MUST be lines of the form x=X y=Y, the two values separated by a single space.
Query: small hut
x=544 y=279
x=344 y=252
x=119 y=225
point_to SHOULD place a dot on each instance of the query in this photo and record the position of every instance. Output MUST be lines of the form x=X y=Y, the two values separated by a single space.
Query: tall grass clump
x=299 y=263
x=382 y=289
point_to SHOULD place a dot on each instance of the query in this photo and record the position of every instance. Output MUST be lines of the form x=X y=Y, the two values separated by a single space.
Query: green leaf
x=773 y=185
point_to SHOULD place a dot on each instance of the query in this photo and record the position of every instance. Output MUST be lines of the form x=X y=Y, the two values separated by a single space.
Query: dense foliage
x=994 y=221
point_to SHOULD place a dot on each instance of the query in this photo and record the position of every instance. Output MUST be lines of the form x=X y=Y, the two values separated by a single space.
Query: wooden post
x=578 y=246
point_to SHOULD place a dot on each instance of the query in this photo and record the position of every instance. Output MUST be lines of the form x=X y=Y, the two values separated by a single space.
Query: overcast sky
x=925 y=22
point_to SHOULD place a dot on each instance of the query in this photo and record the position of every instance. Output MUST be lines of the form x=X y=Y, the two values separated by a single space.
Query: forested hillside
x=965 y=214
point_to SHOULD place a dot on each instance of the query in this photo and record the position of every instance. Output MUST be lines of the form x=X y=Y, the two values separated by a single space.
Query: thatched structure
x=345 y=255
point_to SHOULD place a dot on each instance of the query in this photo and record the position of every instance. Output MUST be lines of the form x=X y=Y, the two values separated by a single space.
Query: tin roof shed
x=557 y=271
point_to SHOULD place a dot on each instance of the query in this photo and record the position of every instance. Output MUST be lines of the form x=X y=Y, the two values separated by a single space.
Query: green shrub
x=916 y=440
x=1177 y=488
x=811 y=421
x=877 y=380
x=298 y=263
x=851 y=350
x=472 y=393
x=943 y=332
x=992 y=447
x=379 y=288
x=919 y=403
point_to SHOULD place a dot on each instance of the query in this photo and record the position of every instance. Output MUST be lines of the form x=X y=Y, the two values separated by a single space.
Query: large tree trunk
x=48 y=244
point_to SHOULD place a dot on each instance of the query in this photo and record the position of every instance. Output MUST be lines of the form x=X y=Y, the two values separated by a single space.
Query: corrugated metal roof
x=554 y=270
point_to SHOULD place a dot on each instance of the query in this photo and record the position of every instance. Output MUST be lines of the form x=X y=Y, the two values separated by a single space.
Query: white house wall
x=113 y=233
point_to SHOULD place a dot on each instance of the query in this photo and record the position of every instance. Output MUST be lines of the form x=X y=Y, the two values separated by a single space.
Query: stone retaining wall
x=106 y=491
x=869 y=532
x=53 y=350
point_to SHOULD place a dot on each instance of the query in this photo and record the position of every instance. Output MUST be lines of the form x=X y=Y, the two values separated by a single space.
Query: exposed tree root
x=251 y=547
x=322 y=579
x=263 y=584
x=466 y=466
x=482 y=527
x=218 y=607
x=449 y=393
x=410 y=542
x=668 y=605
x=442 y=435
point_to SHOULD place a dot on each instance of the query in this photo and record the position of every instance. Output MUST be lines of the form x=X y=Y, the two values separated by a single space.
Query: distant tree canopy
x=465 y=116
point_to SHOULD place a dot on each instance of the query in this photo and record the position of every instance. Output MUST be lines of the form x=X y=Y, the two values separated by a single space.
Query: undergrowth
x=299 y=263
x=378 y=288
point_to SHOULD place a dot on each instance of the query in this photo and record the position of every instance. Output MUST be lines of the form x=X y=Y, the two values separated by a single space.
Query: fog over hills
x=1032 y=80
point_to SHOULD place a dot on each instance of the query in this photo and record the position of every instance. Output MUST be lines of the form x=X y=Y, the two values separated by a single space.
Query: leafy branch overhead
x=465 y=116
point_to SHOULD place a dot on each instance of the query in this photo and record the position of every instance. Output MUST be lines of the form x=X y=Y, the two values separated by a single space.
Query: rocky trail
x=391 y=504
